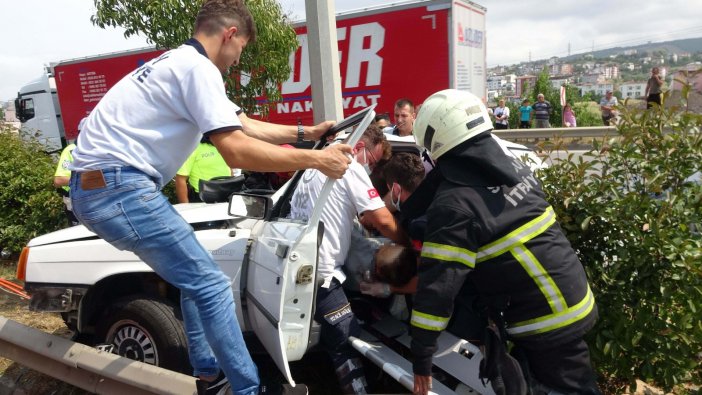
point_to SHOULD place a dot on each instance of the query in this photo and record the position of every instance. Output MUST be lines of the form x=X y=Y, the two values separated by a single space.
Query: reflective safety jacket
x=507 y=241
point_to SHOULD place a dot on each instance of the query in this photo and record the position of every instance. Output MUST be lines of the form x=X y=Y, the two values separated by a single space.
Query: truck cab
x=37 y=108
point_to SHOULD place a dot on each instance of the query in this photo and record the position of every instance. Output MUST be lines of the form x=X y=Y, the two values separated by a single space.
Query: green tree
x=29 y=205
x=634 y=215
x=168 y=23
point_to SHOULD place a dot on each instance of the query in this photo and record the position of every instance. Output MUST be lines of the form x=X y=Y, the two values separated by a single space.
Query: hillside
x=691 y=45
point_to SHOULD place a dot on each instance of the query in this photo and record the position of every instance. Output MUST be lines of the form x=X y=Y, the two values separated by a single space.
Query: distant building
x=524 y=84
x=610 y=71
x=632 y=90
x=592 y=78
x=558 y=81
x=9 y=110
x=690 y=75
x=495 y=82
x=566 y=69
x=598 y=89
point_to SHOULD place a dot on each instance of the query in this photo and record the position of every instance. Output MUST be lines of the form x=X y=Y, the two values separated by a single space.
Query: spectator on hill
x=525 y=114
x=542 y=112
x=653 y=88
x=501 y=114
x=569 y=117
x=608 y=106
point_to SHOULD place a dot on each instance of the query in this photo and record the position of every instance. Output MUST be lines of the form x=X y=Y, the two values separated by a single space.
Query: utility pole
x=324 y=60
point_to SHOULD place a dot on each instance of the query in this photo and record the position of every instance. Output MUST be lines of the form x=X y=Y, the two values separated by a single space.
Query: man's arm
x=280 y=134
x=61 y=181
x=384 y=222
x=181 y=187
x=244 y=152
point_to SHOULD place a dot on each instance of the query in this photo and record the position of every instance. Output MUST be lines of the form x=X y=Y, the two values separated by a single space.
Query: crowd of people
x=472 y=240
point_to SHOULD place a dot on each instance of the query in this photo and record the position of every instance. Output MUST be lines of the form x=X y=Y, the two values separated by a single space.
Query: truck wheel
x=146 y=330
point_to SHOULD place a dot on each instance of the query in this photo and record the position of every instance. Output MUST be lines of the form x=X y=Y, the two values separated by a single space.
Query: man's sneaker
x=220 y=386
x=271 y=388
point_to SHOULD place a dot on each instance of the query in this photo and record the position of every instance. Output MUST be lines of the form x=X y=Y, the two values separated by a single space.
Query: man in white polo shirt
x=133 y=143
x=352 y=195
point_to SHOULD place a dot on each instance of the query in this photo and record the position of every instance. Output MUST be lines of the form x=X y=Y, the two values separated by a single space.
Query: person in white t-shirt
x=352 y=195
x=501 y=114
x=135 y=140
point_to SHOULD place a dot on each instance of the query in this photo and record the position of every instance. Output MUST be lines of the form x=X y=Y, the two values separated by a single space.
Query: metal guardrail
x=581 y=132
x=85 y=367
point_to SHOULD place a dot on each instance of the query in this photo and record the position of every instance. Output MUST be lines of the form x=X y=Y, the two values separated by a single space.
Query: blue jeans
x=132 y=214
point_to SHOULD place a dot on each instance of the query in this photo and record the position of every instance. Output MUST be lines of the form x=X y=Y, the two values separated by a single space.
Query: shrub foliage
x=633 y=214
x=29 y=204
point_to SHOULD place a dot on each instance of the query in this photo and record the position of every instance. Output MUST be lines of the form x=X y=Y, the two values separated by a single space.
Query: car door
x=280 y=271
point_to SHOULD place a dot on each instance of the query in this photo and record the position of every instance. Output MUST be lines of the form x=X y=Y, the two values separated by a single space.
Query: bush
x=29 y=204
x=634 y=218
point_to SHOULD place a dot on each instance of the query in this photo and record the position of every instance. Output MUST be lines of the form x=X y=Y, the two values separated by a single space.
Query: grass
x=13 y=374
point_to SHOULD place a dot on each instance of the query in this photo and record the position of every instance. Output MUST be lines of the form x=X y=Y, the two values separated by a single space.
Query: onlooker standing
x=135 y=140
x=607 y=105
x=205 y=163
x=653 y=88
x=569 y=117
x=382 y=120
x=542 y=112
x=62 y=177
x=525 y=114
x=404 y=117
x=501 y=114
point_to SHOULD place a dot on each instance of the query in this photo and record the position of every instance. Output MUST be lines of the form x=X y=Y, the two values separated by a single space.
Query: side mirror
x=249 y=205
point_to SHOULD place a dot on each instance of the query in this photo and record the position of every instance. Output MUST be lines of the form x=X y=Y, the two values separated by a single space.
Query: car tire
x=147 y=330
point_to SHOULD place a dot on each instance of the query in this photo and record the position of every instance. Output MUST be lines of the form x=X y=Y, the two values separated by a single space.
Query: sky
x=37 y=32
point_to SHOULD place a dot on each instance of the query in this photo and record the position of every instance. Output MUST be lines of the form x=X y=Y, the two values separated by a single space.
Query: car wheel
x=147 y=330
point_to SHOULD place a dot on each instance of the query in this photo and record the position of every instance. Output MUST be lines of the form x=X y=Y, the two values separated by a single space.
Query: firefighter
x=490 y=223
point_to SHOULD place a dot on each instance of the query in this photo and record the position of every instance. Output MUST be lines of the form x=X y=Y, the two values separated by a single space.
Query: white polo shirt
x=154 y=117
x=352 y=194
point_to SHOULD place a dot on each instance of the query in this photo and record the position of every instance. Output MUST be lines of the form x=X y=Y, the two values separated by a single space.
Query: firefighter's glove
x=377 y=289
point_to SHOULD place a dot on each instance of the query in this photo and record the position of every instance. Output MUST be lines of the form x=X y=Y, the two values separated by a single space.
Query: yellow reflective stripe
x=520 y=235
x=428 y=321
x=443 y=252
x=537 y=273
x=554 y=321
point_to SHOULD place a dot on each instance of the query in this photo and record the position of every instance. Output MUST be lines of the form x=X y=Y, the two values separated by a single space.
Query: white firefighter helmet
x=447 y=118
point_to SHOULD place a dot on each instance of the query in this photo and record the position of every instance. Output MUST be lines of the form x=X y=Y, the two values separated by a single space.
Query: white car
x=109 y=297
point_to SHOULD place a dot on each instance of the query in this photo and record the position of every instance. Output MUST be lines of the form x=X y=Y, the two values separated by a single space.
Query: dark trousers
x=565 y=368
x=501 y=126
x=524 y=124
x=606 y=119
x=333 y=312
x=193 y=197
x=653 y=98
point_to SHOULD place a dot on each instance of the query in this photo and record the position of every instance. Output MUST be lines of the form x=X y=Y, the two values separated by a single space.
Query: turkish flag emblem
x=373 y=193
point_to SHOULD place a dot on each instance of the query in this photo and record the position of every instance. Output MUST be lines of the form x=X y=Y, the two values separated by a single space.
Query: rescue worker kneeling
x=489 y=222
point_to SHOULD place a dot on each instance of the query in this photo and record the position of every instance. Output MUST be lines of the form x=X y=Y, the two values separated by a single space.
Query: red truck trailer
x=407 y=50
x=51 y=106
